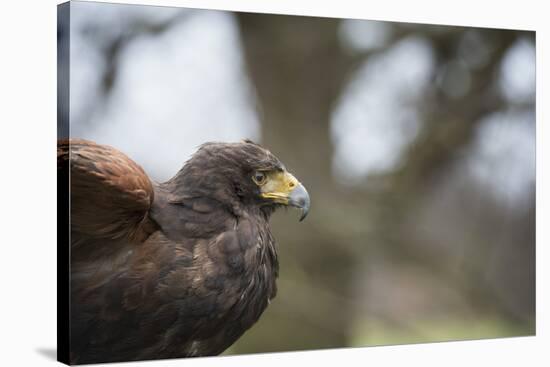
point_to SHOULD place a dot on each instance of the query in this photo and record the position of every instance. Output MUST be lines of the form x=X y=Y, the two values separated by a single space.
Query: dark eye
x=259 y=177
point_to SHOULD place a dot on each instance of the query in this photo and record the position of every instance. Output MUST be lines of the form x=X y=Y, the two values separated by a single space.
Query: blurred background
x=416 y=143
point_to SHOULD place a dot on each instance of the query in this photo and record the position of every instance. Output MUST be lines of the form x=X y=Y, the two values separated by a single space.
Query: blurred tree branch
x=112 y=45
x=449 y=125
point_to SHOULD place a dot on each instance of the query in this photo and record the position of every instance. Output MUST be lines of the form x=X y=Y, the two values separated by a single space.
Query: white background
x=28 y=199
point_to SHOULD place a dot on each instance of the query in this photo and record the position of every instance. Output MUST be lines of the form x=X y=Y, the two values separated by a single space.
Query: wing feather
x=111 y=195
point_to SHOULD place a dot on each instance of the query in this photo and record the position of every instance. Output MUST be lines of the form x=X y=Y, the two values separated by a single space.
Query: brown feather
x=177 y=269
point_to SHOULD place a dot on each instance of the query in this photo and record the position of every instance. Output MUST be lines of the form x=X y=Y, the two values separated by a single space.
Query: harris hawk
x=175 y=269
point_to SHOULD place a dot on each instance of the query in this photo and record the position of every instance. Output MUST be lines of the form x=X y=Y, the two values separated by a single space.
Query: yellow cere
x=278 y=186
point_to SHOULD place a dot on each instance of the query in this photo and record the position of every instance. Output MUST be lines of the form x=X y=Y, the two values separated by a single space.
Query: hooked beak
x=299 y=198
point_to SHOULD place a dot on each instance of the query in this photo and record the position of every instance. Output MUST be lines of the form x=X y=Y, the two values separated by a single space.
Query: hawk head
x=242 y=173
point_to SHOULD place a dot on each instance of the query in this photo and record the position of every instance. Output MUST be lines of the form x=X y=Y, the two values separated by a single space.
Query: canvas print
x=233 y=182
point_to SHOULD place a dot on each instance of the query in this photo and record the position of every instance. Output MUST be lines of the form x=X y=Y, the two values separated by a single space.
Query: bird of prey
x=175 y=269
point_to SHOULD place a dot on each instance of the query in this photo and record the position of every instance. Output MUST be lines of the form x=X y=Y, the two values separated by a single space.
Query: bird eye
x=259 y=177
